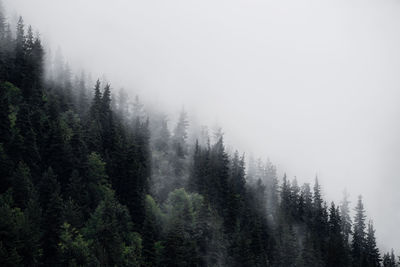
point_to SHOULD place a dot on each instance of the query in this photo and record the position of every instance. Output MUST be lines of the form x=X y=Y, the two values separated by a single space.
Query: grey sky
x=314 y=85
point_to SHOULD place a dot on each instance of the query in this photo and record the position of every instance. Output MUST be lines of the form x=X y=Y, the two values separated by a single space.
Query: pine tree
x=179 y=245
x=294 y=199
x=285 y=198
x=138 y=110
x=83 y=100
x=58 y=152
x=109 y=230
x=271 y=189
x=287 y=248
x=308 y=254
x=52 y=204
x=93 y=135
x=10 y=223
x=346 y=222
x=161 y=142
x=7 y=55
x=389 y=260
x=151 y=231
x=28 y=150
x=219 y=176
x=106 y=121
x=359 y=239
x=5 y=123
x=122 y=103
x=180 y=136
x=336 y=248
x=96 y=182
x=3 y=22
x=19 y=72
x=319 y=222
x=74 y=249
x=36 y=58
x=22 y=186
x=31 y=233
x=373 y=257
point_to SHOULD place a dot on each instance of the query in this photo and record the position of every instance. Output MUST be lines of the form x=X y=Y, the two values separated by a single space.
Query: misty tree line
x=92 y=179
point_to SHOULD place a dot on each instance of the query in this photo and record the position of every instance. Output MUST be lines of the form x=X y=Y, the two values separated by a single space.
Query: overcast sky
x=314 y=85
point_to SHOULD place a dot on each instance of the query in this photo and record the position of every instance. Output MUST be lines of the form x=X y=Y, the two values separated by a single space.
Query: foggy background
x=313 y=85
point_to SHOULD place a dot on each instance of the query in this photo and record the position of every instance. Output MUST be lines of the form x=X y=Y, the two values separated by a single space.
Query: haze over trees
x=89 y=178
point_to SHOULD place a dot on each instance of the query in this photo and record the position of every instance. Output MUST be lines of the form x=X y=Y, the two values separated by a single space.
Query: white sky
x=314 y=85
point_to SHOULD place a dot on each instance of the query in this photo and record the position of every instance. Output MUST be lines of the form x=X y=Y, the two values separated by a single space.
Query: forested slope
x=89 y=178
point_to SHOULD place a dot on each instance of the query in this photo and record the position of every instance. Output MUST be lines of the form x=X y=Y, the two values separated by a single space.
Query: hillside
x=89 y=178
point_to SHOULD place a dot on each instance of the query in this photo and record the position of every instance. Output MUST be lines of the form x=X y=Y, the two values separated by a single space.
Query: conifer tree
x=162 y=139
x=93 y=135
x=389 y=260
x=3 y=22
x=10 y=222
x=22 y=186
x=52 y=204
x=359 y=240
x=19 y=72
x=151 y=232
x=74 y=249
x=96 y=182
x=109 y=230
x=373 y=258
x=336 y=250
x=346 y=222
x=180 y=135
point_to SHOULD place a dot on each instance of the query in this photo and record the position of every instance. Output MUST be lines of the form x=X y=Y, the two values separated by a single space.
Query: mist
x=311 y=85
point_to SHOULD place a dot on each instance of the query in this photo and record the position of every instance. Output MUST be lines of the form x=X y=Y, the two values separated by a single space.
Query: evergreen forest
x=91 y=178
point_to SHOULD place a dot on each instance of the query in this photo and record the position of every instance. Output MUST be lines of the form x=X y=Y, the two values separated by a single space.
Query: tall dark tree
x=93 y=135
x=389 y=260
x=359 y=239
x=180 y=135
x=22 y=186
x=346 y=222
x=336 y=253
x=110 y=230
x=373 y=258
x=19 y=72
x=52 y=204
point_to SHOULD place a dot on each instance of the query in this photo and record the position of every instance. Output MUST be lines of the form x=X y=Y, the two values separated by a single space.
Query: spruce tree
x=373 y=258
x=359 y=239
x=52 y=203
x=19 y=72
x=346 y=222
x=22 y=187
x=389 y=260
x=336 y=254
x=109 y=231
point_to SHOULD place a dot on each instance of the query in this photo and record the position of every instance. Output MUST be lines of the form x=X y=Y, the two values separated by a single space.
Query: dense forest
x=89 y=178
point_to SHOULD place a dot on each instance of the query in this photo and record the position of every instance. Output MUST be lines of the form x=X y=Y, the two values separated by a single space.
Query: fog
x=312 y=85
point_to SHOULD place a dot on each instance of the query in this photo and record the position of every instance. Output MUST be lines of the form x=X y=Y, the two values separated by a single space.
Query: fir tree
x=359 y=240
x=373 y=258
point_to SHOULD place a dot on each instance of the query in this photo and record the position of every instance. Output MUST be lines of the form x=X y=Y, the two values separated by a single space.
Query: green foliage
x=52 y=204
x=109 y=231
x=152 y=226
x=74 y=249
x=22 y=186
x=11 y=221
x=96 y=181
x=19 y=233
